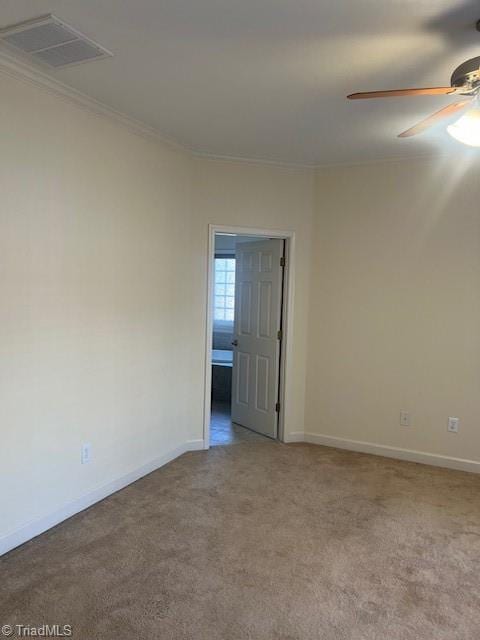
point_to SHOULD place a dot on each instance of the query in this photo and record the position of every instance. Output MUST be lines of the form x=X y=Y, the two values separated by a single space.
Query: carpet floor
x=262 y=541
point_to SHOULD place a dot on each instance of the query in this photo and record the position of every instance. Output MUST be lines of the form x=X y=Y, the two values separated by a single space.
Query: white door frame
x=286 y=369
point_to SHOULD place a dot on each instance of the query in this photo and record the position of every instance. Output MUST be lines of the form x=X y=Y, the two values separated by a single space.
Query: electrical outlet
x=453 y=425
x=86 y=453
x=405 y=418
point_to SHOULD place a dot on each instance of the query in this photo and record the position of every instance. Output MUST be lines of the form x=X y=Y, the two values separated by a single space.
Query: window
x=224 y=289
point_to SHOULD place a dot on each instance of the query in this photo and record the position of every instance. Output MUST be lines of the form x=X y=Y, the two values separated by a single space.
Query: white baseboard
x=436 y=460
x=295 y=436
x=194 y=445
x=36 y=527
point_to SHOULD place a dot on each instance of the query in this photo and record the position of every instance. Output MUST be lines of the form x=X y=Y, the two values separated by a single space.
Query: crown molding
x=13 y=67
x=417 y=157
x=259 y=161
x=16 y=68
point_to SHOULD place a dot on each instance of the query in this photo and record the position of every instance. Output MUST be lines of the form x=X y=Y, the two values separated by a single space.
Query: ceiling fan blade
x=434 y=118
x=432 y=91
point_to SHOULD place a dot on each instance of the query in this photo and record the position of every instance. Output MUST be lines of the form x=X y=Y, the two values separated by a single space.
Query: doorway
x=247 y=332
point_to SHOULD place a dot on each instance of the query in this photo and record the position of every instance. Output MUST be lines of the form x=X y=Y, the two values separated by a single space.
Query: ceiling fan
x=465 y=82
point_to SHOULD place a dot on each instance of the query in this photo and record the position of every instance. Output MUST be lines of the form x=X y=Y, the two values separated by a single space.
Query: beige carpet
x=265 y=542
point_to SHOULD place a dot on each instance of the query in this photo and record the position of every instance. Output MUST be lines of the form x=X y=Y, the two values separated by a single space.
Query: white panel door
x=256 y=351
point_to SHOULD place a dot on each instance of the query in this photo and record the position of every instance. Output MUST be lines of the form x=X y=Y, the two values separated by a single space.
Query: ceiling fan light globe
x=467 y=128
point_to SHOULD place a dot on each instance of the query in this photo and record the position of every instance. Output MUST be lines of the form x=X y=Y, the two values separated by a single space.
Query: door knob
x=235 y=343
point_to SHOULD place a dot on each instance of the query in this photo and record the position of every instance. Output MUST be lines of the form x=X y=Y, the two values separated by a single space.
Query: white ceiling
x=267 y=79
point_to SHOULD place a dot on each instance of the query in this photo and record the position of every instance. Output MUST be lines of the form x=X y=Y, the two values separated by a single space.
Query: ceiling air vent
x=52 y=42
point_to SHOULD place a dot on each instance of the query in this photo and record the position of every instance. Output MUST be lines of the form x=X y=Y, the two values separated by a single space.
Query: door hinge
x=277 y=407
x=279 y=334
x=283 y=262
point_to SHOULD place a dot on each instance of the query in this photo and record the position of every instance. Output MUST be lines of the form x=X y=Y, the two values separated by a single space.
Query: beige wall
x=395 y=305
x=93 y=316
x=103 y=255
x=263 y=197
x=103 y=262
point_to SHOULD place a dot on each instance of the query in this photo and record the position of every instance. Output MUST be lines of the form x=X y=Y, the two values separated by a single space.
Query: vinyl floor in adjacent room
x=224 y=431
x=262 y=541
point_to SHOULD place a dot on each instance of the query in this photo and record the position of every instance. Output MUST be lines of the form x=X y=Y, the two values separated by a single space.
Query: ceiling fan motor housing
x=467 y=74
